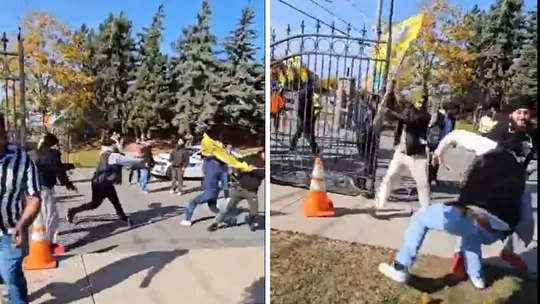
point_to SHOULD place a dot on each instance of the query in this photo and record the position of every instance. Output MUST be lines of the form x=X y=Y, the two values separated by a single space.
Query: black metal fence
x=330 y=113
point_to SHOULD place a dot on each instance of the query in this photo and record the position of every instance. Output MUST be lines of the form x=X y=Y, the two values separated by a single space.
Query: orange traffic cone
x=317 y=203
x=40 y=255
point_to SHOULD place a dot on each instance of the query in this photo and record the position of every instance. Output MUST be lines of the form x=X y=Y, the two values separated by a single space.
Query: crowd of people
x=493 y=202
x=27 y=191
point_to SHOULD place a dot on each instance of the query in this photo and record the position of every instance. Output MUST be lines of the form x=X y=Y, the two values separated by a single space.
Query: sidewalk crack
x=88 y=280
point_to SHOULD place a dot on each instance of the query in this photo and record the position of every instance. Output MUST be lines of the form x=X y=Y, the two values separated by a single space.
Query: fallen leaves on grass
x=311 y=269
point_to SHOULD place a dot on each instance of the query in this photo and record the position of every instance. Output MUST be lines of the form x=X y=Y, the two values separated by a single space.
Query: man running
x=212 y=170
x=247 y=188
x=108 y=173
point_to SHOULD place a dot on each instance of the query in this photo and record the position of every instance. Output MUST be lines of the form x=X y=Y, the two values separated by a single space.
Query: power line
x=336 y=16
x=356 y=7
x=310 y=16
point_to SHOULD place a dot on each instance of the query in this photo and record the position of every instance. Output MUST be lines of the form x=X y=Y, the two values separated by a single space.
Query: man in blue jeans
x=487 y=210
x=20 y=192
x=212 y=172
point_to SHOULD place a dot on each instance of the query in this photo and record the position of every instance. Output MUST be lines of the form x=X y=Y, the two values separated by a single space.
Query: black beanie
x=520 y=102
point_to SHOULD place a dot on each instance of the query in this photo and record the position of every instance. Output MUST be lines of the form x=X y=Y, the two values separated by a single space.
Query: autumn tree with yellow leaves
x=53 y=59
x=439 y=56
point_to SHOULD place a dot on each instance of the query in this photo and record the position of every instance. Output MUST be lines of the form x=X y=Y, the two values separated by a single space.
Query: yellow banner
x=403 y=33
x=210 y=147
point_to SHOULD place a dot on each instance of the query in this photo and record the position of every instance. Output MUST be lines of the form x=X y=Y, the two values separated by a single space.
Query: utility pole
x=5 y=41
x=22 y=93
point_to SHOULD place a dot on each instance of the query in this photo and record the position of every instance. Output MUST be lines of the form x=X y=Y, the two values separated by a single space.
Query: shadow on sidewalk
x=154 y=213
x=254 y=294
x=109 y=276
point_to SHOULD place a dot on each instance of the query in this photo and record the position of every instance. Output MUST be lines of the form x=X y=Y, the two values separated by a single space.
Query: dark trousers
x=308 y=130
x=132 y=172
x=433 y=171
x=177 y=175
x=239 y=194
x=100 y=192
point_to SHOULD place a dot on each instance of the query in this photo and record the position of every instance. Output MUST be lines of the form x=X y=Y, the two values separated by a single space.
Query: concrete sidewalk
x=352 y=224
x=225 y=275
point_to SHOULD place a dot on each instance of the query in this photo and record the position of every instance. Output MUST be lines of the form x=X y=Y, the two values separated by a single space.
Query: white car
x=162 y=167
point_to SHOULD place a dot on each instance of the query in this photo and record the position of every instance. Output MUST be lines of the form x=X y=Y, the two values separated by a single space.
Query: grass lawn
x=311 y=269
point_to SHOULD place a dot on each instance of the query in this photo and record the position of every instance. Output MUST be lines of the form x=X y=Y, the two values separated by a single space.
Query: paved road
x=156 y=216
x=158 y=261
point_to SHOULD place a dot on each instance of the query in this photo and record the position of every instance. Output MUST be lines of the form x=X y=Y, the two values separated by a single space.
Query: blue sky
x=281 y=15
x=357 y=13
x=178 y=13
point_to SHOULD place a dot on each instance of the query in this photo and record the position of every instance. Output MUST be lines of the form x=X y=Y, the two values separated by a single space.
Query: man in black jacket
x=108 y=173
x=508 y=131
x=247 y=188
x=305 y=119
x=179 y=158
x=50 y=170
x=487 y=210
x=410 y=151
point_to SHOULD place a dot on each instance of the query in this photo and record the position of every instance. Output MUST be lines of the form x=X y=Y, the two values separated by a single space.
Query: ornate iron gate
x=335 y=72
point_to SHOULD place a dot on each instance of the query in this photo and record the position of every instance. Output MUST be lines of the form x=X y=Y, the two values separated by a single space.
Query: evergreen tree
x=243 y=76
x=525 y=67
x=500 y=36
x=150 y=99
x=199 y=82
x=113 y=64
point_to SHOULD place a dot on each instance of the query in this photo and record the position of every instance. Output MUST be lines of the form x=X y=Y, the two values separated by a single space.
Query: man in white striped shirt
x=18 y=182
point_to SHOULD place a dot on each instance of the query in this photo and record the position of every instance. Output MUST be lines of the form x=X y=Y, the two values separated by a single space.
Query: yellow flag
x=282 y=79
x=303 y=74
x=290 y=75
x=403 y=34
x=210 y=147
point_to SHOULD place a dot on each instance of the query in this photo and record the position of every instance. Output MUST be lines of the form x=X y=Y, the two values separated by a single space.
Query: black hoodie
x=250 y=181
x=50 y=168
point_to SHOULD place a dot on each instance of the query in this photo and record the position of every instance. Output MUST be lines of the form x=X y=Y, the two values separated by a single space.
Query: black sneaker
x=70 y=216
x=213 y=227
x=251 y=223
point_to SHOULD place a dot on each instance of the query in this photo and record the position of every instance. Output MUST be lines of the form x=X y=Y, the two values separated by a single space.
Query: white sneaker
x=172 y=191
x=478 y=282
x=185 y=223
x=144 y=192
x=178 y=193
x=400 y=276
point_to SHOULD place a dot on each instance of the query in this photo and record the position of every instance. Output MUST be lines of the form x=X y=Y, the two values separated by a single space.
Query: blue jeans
x=207 y=196
x=11 y=270
x=143 y=179
x=450 y=220
x=224 y=180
